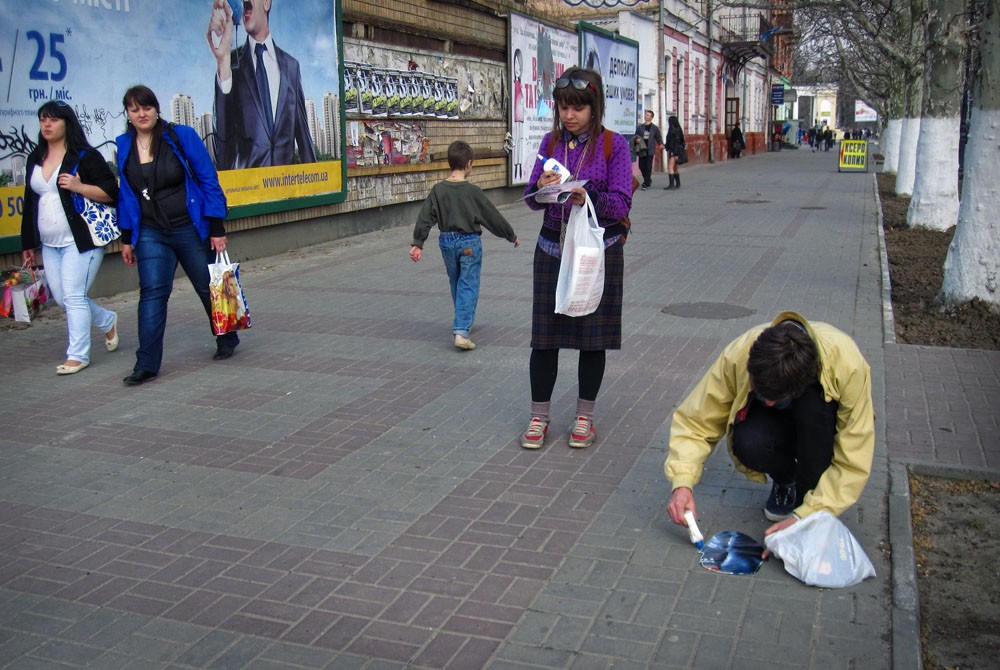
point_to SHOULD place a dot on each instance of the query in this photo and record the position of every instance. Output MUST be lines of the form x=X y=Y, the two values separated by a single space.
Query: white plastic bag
x=581 y=269
x=821 y=551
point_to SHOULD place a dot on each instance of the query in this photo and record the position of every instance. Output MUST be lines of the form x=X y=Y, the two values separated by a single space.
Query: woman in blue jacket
x=170 y=210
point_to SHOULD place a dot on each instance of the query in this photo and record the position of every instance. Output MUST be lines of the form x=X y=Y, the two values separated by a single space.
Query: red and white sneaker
x=583 y=433
x=534 y=437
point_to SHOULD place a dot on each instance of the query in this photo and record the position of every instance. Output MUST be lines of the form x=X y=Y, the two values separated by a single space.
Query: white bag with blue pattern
x=101 y=219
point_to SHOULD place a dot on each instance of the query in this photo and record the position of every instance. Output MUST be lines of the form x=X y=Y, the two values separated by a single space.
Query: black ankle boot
x=670 y=186
x=677 y=180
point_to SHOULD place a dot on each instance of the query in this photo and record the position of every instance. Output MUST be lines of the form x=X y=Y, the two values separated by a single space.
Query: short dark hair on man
x=459 y=155
x=651 y=113
x=783 y=362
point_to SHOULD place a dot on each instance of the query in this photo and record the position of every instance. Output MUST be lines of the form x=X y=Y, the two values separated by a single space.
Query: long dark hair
x=674 y=125
x=593 y=95
x=76 y=139
x=143 y=96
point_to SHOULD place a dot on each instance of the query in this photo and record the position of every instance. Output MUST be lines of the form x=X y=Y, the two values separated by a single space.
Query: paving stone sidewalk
x=348 y=491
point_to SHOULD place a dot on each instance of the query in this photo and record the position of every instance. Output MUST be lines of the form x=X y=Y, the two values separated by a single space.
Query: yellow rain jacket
x=709 y=411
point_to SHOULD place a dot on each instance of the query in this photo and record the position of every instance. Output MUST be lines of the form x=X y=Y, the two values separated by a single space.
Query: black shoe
x=138 y=377
x=222 y=353
x=781 y=503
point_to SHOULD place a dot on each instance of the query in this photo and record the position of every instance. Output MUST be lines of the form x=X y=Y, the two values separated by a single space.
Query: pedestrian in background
x=649 y=134
x=601 y=158
x=61 y=164
x=736 y=141
x=675 y=149
x=460 y=210
x=170 y=211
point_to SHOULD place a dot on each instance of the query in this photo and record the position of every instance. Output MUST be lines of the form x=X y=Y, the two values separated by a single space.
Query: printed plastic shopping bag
x=821 y=551
x=229 y=305
x=580 y=286
x=24 y=293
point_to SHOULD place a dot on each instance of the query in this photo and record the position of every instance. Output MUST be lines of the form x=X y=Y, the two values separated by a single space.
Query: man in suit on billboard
x=260 y=112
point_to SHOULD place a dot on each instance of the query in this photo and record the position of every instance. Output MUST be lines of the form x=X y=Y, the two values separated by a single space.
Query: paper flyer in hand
x=556 y=192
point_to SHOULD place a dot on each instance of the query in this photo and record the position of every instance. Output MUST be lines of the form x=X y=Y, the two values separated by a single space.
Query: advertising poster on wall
x=196 y=57
x=539 y=54
x=617 y=59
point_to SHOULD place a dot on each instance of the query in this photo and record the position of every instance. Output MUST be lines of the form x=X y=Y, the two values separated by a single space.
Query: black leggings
x=544 y=367
x=791 y=445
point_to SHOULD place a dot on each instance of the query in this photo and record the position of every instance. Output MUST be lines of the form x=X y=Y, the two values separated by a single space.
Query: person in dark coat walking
x=736 y=141
x=652 y=141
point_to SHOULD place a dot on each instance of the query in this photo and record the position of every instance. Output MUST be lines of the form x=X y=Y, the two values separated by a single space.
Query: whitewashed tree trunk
x=889 y=142
x=906 y=170
x=972 y=268
x=935 y=188
x=890 y=145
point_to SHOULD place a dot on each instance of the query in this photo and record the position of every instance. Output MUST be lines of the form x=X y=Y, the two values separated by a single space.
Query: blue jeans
x=463 y=259
x=157 y=254
x=69 y=275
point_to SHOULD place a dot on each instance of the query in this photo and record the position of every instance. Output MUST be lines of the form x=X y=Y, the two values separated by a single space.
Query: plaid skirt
x=594 y=332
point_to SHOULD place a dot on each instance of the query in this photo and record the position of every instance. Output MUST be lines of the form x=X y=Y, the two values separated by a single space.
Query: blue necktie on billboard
x=543 y=109
x=263 y=88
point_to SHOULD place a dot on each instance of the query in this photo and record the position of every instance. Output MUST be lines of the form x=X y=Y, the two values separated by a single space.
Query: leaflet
x=556 y=193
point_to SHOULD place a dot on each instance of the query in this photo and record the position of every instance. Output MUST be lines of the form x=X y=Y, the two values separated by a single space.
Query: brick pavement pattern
x=348 y=491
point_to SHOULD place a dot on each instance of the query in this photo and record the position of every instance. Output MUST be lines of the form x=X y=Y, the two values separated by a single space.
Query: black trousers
x=794 y=444
x=646 y=167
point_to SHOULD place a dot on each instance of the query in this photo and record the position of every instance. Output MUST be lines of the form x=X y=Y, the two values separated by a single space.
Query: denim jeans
x=157 y=254
x=463 y=259
x=69 y=275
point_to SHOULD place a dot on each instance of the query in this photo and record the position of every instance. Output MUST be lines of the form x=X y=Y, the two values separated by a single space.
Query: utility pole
x=710 y=83
x=660 y=68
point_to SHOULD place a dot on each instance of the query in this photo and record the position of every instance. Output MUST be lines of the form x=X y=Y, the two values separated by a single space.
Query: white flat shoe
x=70 y=369
x=112 y=344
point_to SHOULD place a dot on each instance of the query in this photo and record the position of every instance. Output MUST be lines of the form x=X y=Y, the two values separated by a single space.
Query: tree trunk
x=935 y=188
x=889 y=143
x=972 y=268
x=907 y=168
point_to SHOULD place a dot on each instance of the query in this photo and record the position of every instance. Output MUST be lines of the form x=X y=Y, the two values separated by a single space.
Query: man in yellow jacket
x=794 y=401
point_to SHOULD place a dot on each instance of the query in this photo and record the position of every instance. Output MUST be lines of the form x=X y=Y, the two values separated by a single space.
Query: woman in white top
x=70 y=257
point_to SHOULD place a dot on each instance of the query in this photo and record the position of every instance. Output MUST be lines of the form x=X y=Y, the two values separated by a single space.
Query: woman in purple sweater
x=578 y=142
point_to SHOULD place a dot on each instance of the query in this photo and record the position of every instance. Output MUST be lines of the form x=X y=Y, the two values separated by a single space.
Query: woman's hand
x=28 y=256
x=578 y=196
x=218 y=244
x=548 y=178
x=70 y=182
x=128 y=256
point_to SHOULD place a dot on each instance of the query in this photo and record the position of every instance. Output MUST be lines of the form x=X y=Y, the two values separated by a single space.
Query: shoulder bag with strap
x=623 y=226
x=101 y=218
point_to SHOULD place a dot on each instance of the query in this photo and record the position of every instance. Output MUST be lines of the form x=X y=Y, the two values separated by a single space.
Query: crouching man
x=794 y=401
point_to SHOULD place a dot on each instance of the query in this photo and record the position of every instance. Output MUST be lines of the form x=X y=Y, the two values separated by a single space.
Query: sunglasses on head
x=578 y=84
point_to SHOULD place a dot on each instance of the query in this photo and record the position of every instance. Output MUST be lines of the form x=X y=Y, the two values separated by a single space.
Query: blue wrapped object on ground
x=731 y=553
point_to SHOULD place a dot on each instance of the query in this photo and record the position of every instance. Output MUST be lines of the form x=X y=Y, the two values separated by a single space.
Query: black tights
x=544 y=367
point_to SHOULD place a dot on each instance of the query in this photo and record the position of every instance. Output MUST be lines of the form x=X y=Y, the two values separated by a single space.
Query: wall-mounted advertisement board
x=617 y=59
x=197 y=57
x=539 y=54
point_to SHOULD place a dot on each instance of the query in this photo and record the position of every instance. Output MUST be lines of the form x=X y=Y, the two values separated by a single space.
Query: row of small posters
x=379 y=92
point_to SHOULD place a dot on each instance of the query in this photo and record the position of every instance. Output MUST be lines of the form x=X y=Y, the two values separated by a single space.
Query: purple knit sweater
x=612 y=180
